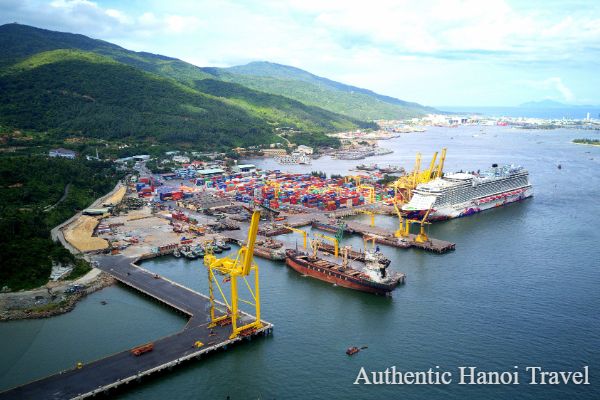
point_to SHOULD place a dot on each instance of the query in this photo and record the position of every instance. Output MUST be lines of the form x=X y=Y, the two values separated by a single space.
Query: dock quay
x=381 y=235
x=117 y=370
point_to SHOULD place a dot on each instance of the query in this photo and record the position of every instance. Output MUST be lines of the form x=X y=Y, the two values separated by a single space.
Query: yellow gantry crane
x=371 y=189
x=300 y=231
x=369 y=212
x=355 y=178
x=332 y=240
x=233 y=269
x=404 y=186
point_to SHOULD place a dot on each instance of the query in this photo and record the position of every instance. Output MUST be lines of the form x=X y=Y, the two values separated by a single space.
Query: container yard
x=194 y=210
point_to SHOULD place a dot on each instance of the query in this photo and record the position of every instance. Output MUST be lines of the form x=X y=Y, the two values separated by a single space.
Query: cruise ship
x=461 y=194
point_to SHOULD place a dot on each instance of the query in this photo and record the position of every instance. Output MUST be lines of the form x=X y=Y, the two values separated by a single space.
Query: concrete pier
x=122 y=368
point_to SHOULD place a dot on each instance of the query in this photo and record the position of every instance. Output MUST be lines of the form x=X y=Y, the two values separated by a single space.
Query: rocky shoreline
x=60 y=297
x=48 y=301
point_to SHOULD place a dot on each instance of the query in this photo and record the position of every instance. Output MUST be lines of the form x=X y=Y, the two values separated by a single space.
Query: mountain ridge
x=19 y=41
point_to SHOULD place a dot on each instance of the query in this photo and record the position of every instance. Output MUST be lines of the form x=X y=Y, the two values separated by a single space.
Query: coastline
x=51 y=299
x=586 y=144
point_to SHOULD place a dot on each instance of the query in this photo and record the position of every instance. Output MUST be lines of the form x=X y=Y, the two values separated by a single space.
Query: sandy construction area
x=116 y=197
x=79 y=234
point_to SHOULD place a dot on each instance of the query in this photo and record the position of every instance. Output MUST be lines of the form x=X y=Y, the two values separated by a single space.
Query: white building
x=64 y=153
x=181 y=159
x=304 y=149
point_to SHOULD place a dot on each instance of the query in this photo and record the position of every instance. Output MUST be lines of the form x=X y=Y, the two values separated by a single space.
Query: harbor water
x=521 y=289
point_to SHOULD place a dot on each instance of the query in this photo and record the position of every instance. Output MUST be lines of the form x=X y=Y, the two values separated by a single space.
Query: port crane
x=233 y=269
x=331 y=239
x=369 y=212
x=371 y=190
x=355 y=178
x=403 y=188
x=300 y=231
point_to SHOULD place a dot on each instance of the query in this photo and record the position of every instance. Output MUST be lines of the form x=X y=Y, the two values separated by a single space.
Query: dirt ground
x=117 y=196
x=79 y=234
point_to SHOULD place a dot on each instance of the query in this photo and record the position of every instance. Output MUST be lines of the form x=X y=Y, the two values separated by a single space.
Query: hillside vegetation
x=21 y=41
x=78 y=93
x=322 y=92
x=28 y=185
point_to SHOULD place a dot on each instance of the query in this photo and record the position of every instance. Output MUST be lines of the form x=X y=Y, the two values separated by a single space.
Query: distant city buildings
x=274 y=152
x=181 y=159
x=305 y=150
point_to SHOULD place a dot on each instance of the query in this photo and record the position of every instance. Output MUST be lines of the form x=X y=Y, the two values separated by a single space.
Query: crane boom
x=249 y=248
x=241 y=266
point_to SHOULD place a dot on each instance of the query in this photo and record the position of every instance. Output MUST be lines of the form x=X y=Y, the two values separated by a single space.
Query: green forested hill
x=21 y=41
x=321 y=92
x=78 y=93
x=283 y=111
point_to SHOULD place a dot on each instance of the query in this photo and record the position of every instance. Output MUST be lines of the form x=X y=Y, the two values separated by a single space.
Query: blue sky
x=435 y=52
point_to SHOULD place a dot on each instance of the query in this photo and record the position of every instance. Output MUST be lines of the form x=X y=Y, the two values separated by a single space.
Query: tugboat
x=188 y=253
x=374 y=279
x=352 y=350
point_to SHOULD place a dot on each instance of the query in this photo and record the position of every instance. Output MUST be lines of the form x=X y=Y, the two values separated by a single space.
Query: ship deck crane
x=240 y=267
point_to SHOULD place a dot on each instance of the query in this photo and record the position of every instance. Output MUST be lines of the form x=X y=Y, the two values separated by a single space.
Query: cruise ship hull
x=474 y=206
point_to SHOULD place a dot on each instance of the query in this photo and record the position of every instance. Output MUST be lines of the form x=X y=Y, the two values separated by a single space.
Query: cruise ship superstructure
x=460 y=194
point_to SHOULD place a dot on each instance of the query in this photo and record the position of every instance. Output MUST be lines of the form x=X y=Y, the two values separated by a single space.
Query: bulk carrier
x=460 y=194
x=373 y=279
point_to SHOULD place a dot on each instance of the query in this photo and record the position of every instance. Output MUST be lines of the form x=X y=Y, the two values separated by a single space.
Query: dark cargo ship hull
x=307 y=267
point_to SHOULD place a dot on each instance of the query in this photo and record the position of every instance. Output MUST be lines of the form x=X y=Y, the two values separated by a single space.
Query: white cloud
x=179 y=24
x=436 y=51
x=562 y=88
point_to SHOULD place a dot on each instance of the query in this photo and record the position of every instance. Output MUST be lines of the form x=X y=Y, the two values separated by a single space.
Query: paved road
x=62 y=198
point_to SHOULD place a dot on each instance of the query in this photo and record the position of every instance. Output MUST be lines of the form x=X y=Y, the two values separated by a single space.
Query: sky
x=434 y=52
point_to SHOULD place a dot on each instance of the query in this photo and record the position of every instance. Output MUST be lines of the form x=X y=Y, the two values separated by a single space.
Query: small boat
x=352 y=350
x=198 y=251
x=188 y=253
x=177 y=253
x=223 y=245
x=212 y=248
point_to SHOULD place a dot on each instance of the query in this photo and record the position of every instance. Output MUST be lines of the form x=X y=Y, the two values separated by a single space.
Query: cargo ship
x=461 y=194
x=374 y=279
